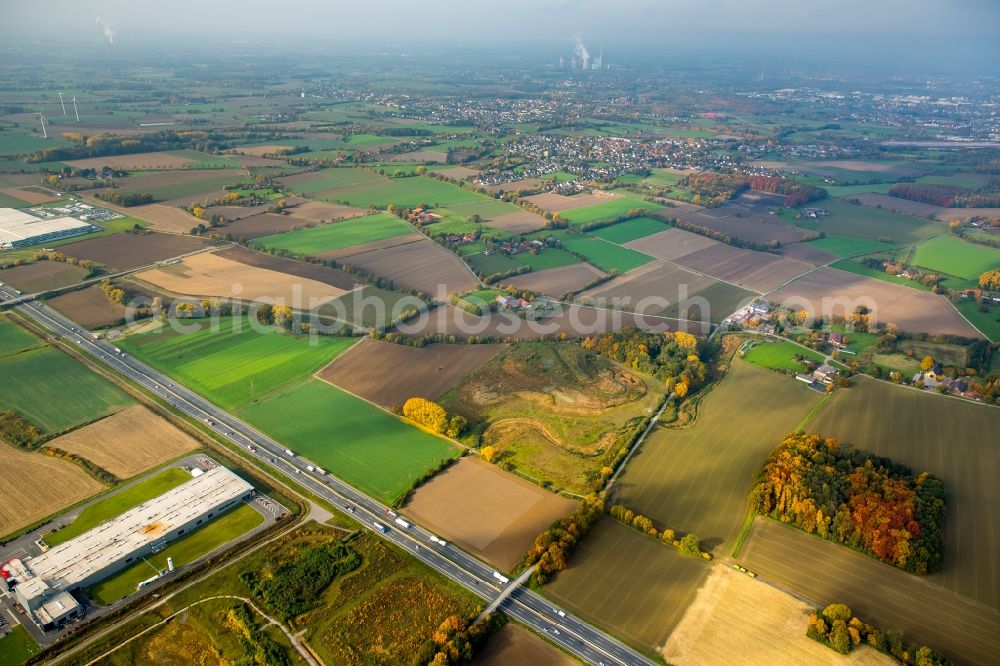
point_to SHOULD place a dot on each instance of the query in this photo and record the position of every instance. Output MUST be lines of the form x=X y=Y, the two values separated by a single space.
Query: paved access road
x=577 y=637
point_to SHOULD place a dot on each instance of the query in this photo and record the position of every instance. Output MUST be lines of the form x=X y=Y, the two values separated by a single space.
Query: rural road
x=575 y=636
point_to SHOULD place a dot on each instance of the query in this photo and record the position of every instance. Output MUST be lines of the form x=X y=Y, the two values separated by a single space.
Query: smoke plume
x=109 y=33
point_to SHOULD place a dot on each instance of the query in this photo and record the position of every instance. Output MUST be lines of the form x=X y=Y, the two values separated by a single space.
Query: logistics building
x=20 y=229
x=42 y=584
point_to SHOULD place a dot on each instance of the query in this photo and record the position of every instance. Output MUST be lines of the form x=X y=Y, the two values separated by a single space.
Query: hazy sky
x=967 y=28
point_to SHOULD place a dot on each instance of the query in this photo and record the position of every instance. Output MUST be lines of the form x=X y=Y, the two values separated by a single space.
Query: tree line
x=837 y=628
x=553 y=547
x=689 y=544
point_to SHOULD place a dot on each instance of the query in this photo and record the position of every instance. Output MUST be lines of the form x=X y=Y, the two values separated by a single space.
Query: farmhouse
x=43 y=584
x=825 y=373
x=20 y=229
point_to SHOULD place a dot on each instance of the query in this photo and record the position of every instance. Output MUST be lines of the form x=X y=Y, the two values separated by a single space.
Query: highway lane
x=576 y=636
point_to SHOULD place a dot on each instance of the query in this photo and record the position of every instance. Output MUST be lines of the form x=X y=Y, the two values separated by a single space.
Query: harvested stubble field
x=30 y=195
x=696 y=478
x=739 y=219
x=491 y=513
x=825 y=572
x=518 y=222
x=554 y=411
x=317 y=272
x=829 y=291
x=134 y=162
x=953 y=439
x=422 y=264
x=425 y=372
x=458 y=173
x=365 y=248
x=632 y=585
x=949 y=214
x=757 y=271
x=734 y=614
x=128 y=250
x=808 y=253
x=36 y=485
x=557 y=281
x=89 y=307
x=514 y=644
x=428 y=156
x=558 y=203
x=574 y=321
x=261 y=224
x=169 y=219
x=670 y=244
x=42 y=276
x=209 y=274
x=127 y=443
x=896 y=204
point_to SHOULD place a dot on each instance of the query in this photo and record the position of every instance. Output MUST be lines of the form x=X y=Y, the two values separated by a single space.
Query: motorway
x=572 y=634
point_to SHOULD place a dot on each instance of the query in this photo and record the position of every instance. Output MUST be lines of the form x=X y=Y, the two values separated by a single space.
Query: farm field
x=746 y=217
x=954 y=256
x=118 y=503
x=261 y=225
x=203 y=540
x=557 y=281
x=127 y=443
x=966 y=632
x=15 y=142
x=238 y=362
x=403 y=192
x=148 y=161
x=778 y=356
x=514 y=644
x=42 y=275
x=311 y=272
x=318 y=211
x=89 y=307
x=55 y=392
x=492 y=514
x=356 y=231
x=909 y=427
x=560 y=203
x=808 y=253
x=630 y=230
x=988 y=322
x=696 y=479
x=426 y=372
x=126 y=250
x=856 y=267
x=896 y=204
x=550 y=257
x=209 y=274
x=735 y=614
x=844 y=246
x=369 y=306
x=489 y=264
x=372 y=450
x=487 y=209
x=518 y=222
x=608 y=209
x=606 y=255
x=168 y=219
x=36 y=485
x=555 y=412
x=670 y=244
x=632 y=585
x=874 y=223
x=421 y=264
x=910 y=309
x=181 y=188
x=14 y=339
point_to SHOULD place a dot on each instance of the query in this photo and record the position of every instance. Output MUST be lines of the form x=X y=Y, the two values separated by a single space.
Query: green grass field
x=616 y=563
x=17 y=647
x=869 y=223
x=14 y=339
x=17 y=142
x=119 y=503
x=954 y=256
x=336 y=178
x=778 y=355
x=630 y=230
x=988 y=322
x=168 y=190
x=696 y=479
x=7 y=201
x=487 y=209
x=185 y=550
x=55 y=392
x=235 y=363
x=205 y=160
x=347 y=233
x=550 y=257
x=372 y=450
x=611 y=208
x=488 y=264
x=605 y=255
x=845 y=246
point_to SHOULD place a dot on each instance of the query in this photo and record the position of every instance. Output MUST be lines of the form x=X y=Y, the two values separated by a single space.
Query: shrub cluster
x=836 y=627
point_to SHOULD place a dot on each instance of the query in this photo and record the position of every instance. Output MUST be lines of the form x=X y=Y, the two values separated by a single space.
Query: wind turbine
x=41 y=118
x=63 y=103
x=76 y=110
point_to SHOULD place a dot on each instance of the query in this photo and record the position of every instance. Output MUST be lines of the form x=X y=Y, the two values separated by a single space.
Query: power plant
x=581 y=58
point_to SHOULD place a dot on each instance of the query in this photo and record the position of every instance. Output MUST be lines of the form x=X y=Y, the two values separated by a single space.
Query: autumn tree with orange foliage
x=675 y=358
x=553 y=547
x=864 y=501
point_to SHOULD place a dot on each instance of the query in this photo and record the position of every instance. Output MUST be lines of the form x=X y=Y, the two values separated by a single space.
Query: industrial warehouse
x=43 y=584
x=21 y=229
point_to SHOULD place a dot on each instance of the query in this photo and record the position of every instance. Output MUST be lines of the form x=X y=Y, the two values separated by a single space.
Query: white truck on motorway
x=500 y=577
x=402 y=523
x=380 y=527
x=438 y=541
x=288 y=452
